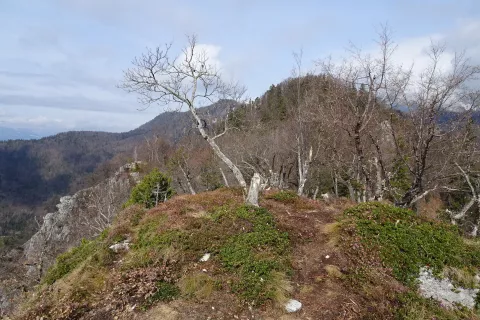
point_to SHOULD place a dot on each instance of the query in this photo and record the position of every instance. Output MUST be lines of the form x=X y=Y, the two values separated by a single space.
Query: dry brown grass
x=281 y=287
x=334 y=271
x=197 y=285
x=462 y=277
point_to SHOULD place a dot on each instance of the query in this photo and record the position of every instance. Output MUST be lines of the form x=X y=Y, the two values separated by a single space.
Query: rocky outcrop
x=80 y=216
x=444 y=291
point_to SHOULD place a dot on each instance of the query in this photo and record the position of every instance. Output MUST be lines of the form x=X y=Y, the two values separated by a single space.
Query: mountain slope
x=82 y=215
x=24 y=134
x=35 y=173
x=208 y=256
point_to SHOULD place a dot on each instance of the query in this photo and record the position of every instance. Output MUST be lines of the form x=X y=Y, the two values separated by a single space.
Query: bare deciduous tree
x=304 y=149
x=356 y=85
x=188 y=79
x=103 y=203
x=427 y=96
x=180 y=160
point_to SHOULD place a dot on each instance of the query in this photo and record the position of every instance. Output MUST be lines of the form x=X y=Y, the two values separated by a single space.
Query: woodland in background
x=364 y=128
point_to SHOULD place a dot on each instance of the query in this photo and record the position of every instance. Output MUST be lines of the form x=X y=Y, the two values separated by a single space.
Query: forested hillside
x=364 y=127
x=35 y=173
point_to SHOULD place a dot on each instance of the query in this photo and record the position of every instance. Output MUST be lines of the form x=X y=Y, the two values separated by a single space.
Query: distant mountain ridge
x=22 y=134
x=34 y=173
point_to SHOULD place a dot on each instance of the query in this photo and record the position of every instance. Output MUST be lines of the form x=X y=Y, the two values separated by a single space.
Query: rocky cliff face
x=80 y=216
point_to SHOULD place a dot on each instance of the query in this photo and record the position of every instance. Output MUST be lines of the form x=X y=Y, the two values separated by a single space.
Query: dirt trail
x=323 y=295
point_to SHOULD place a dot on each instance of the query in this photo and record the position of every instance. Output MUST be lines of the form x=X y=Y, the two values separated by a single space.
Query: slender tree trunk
x=365 y=190
x=281 y=177
x=252 y=197
x=362 y=176
x=303 y=166
x=351 y=191
x=187 y=178
x=315 y=193
x=335 y=184
x=179 y=181
x=464 y=210
x=216 y=149
x=379 y=182
x=225 y=181
x=474 y=232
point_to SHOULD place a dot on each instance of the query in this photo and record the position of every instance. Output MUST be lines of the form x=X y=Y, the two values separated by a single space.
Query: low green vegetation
x=407 y=242
x=414 y=307
x=285 y=196
x=165 y=292
x=251 y=255
x=95 y=252
x=154 y=188
x=197 y=285
x=404 y=243
x=69 y=260
x=245 y=239
x=256 y=255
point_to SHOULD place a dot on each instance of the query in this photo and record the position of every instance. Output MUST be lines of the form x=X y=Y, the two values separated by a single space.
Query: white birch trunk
x=474 y=232
x=225 y=181
x=379 y=182
x=335 y=184
x=216 y=149
x=464 y=210
x=303 y=167
x=253 y=191
x=315 y=193
x=187 y=178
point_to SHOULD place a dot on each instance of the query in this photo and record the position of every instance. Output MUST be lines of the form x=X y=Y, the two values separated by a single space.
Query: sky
x=61 y=60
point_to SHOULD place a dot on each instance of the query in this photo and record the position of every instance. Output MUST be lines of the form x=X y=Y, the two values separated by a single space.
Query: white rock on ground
x=124 y=246
x=444 y=291
x=205 y=257
x=293 y=305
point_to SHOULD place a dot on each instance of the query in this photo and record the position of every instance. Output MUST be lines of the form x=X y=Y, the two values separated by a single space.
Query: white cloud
x=41 y=121
x=212 y=52
x=56 y=120
x=415 y=51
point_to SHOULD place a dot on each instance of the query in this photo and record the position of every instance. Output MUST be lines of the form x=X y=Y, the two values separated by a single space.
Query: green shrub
x=149 y=236
x=69 y=260
x=145 y=193
x=407 y=242
x=400 y=181
x=165 y=292
x=285 y=196
x=103 y=256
